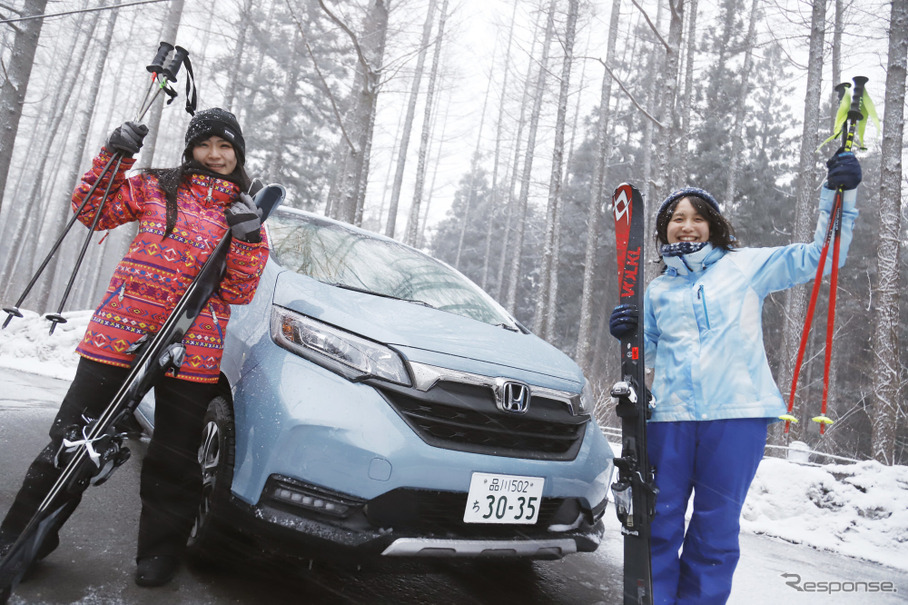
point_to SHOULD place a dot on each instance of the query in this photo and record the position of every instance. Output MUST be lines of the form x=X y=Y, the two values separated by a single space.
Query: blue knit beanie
x=687 y=191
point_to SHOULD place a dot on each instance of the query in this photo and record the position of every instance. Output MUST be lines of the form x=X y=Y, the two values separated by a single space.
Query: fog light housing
x=293 y=493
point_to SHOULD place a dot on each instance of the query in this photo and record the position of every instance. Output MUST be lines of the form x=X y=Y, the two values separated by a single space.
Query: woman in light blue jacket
x=714 y=392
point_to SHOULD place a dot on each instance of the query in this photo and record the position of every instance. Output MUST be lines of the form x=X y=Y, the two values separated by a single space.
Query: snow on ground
x=858 y=510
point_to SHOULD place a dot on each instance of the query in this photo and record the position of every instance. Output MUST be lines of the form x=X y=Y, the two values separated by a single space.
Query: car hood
x=428 y=335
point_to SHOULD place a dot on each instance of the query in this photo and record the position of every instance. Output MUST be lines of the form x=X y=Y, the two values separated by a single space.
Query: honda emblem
x=515 y=398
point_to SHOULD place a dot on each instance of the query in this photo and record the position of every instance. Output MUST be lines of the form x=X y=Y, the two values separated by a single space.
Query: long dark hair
x=721 y=233
x=170 y=180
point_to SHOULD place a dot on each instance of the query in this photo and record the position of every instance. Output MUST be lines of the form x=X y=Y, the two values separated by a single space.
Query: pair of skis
x=634 y=489
x=99 y=450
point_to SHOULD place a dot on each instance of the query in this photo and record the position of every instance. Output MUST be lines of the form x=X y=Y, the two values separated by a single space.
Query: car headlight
x=351 y=356
x=587 y=397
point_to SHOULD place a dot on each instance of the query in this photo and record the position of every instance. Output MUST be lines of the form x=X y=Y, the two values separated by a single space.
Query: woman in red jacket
x=181 y=213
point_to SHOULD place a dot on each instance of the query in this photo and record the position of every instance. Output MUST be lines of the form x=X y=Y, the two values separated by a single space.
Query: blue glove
x=623 y=321
x=844 y=171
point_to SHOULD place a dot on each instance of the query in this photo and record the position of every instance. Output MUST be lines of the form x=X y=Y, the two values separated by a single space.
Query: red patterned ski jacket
x=155 y=272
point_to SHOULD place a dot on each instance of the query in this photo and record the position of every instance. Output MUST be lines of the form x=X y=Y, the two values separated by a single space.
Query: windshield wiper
x=382 y=294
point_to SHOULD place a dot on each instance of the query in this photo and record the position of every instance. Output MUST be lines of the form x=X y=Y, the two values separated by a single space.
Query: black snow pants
x=171 y=480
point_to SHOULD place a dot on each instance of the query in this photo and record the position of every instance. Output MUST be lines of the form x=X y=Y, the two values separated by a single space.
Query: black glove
x=127 y=139
x=245 y=219
x=844 y=171
x=623 y=321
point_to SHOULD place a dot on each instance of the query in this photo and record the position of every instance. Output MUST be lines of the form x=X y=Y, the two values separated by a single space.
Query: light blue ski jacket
x=703 y=324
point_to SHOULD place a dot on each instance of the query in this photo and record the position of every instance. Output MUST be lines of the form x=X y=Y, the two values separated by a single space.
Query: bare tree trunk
x=687 y=97
x=886 y=351
x=504 y=260
x=15 y=84
x=413 y=222
x=408 y=120
x=523 y=200
x=545 y=302
x=244 y=22
x=737 y=133
x=287 y=109
x=838 y=28
x=494 y=206
x=598 y=197
x=474 y=166
x=669 y=136
x=350 y=185
x=438 y=156
x=796 y=298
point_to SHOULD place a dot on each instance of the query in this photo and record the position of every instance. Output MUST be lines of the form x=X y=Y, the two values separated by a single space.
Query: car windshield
x=337 y=255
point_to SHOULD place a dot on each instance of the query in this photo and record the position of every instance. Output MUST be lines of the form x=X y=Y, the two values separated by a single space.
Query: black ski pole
x=14 y=310
x=155 y=68
x=57 y=318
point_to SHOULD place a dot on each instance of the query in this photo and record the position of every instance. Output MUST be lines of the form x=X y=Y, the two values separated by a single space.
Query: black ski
x=634 y=489
x=96 y=450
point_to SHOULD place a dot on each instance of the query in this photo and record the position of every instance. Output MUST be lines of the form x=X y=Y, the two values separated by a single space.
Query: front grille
x=465 y=418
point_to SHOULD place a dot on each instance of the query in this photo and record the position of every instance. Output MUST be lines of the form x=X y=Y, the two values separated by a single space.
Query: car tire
x=208 y=540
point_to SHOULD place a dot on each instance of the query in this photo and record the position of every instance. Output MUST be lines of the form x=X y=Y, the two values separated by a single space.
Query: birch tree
x=16 y=76
x=353 y=164
x=408 y=119
x=413 y=222
x=886 y=353
x=598 y=197
x=523 y=199
x=737 y=134
x=545 y=307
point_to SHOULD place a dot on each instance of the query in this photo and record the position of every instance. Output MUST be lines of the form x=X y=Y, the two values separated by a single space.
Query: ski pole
x=164 y=76
x=833 y=233
x=156 y=67
x=57 y=318
x=788 y=417
x=14 y=310
x=855 y=116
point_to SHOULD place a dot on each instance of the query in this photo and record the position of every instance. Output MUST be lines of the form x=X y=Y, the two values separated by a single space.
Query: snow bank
x=860 y=510
x=25 y=344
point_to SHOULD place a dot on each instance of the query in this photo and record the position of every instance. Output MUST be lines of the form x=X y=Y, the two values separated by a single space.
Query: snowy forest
x=491 y=133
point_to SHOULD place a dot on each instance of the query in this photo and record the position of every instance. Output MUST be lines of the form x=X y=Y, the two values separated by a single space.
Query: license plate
x=503 y=499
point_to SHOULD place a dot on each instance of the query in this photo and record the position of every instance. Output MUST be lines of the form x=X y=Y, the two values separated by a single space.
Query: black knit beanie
x=216 y=122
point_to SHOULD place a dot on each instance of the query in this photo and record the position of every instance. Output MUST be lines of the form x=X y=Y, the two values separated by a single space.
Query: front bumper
x=404 y=523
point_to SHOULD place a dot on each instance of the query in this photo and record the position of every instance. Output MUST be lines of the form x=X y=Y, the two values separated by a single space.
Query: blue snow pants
x=717 y=460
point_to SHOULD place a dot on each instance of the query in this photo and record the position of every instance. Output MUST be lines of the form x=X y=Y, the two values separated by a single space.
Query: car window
x=335 y=254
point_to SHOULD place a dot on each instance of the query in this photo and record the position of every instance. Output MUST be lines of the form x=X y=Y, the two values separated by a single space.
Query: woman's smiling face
x=686 y=224
x=215 y=154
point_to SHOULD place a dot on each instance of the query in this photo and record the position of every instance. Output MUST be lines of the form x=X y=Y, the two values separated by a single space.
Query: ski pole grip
x=157 y=64
x=841 y=88
x=854 y=114
x=179 y=56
